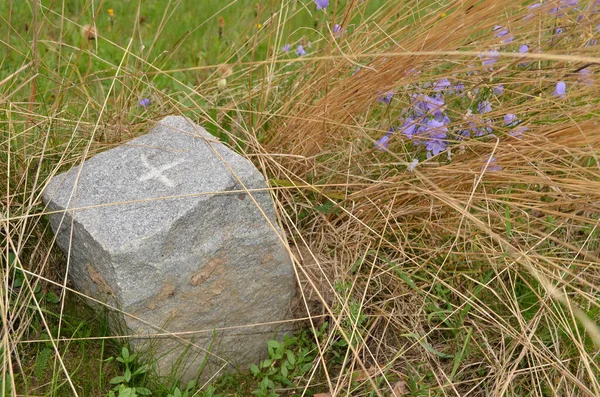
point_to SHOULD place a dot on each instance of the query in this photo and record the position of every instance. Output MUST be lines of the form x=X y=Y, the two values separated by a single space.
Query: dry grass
x=452 y=279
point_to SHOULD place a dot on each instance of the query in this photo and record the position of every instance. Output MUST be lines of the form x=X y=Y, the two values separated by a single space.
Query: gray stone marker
x=147 y=232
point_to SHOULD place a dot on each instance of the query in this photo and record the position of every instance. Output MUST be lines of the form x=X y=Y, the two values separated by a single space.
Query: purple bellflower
x=338 y=30
x=524 y=49
x=300 y=51
x=413 y=164
x=490 y=164
x=410 y=128
x=386 y=97
x=437 y=133
x=384 y=141
x=489 y=58
x=510 y=120
x=322 y=4
x=426 y=104
x=484 y=107
x=560 y=89
x=144 y=102
x=503 y=34
x=584 y=76
x=442 y=84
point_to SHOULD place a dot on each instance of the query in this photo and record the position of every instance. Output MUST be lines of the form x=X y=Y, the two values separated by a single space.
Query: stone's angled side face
x=153 y=234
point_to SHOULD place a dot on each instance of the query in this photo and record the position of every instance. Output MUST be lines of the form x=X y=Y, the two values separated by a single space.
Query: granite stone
x=161 y=229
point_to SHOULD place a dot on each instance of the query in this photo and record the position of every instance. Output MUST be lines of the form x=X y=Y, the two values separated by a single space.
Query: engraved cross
x=154 y=172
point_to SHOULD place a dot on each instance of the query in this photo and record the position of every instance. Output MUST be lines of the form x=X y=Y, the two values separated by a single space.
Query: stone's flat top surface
x=176 y=158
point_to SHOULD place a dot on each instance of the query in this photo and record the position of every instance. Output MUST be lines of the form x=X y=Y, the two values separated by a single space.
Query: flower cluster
x=426 y=122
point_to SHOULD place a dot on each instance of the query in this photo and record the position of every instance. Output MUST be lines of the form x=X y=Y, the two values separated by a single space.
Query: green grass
x=452 y=279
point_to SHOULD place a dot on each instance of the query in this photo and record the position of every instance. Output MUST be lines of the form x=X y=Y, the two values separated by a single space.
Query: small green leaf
x=125 y=353
x=281 y=182
x=116 y=380
x=290 y=357
x=428 y=347
x=18 y=282
x=274 y=344
x=127 y=375
x=284 y=371
x=254 y=369
x=51 y=297
x=176 y=393
x=142 y=391
x=140 y=370
x=127 y=392
x=191 y=384
x=325 y=208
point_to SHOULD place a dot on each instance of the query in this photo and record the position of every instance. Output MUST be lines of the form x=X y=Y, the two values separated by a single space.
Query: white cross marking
x=154 y=172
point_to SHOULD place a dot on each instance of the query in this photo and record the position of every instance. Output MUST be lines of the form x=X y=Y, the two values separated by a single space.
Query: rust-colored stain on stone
x=97 y=279
x=215 y=266
x=167 y=291
x=267 y=259
x=217 y=287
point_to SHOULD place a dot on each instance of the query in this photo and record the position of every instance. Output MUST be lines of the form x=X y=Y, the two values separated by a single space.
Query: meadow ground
x=434 y=165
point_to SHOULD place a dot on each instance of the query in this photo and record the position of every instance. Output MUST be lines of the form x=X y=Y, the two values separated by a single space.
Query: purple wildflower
x=321 y=4
x=490 y=164
x=435 y=146
x=498 y=90
x=442 y=118
x=413 y=164
x=584 y=76
x=524 y=49
x=425 y=103
x=510 y=120
x=384 y=141
x=531 y=8
x=437 y=132
x=489 y=58
x=484 y=107
x=477 y=127
x=518 y=132
x=300 y=51
x=338 y=31
x=410 y=128
x=560 y=89
x=562 y=5
x=386 y=97
x=144 y=102
x=535 y=5
x=558 y=31
x=286 y=48
x=458 y=88
x=442 y=84
x=503 y=34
